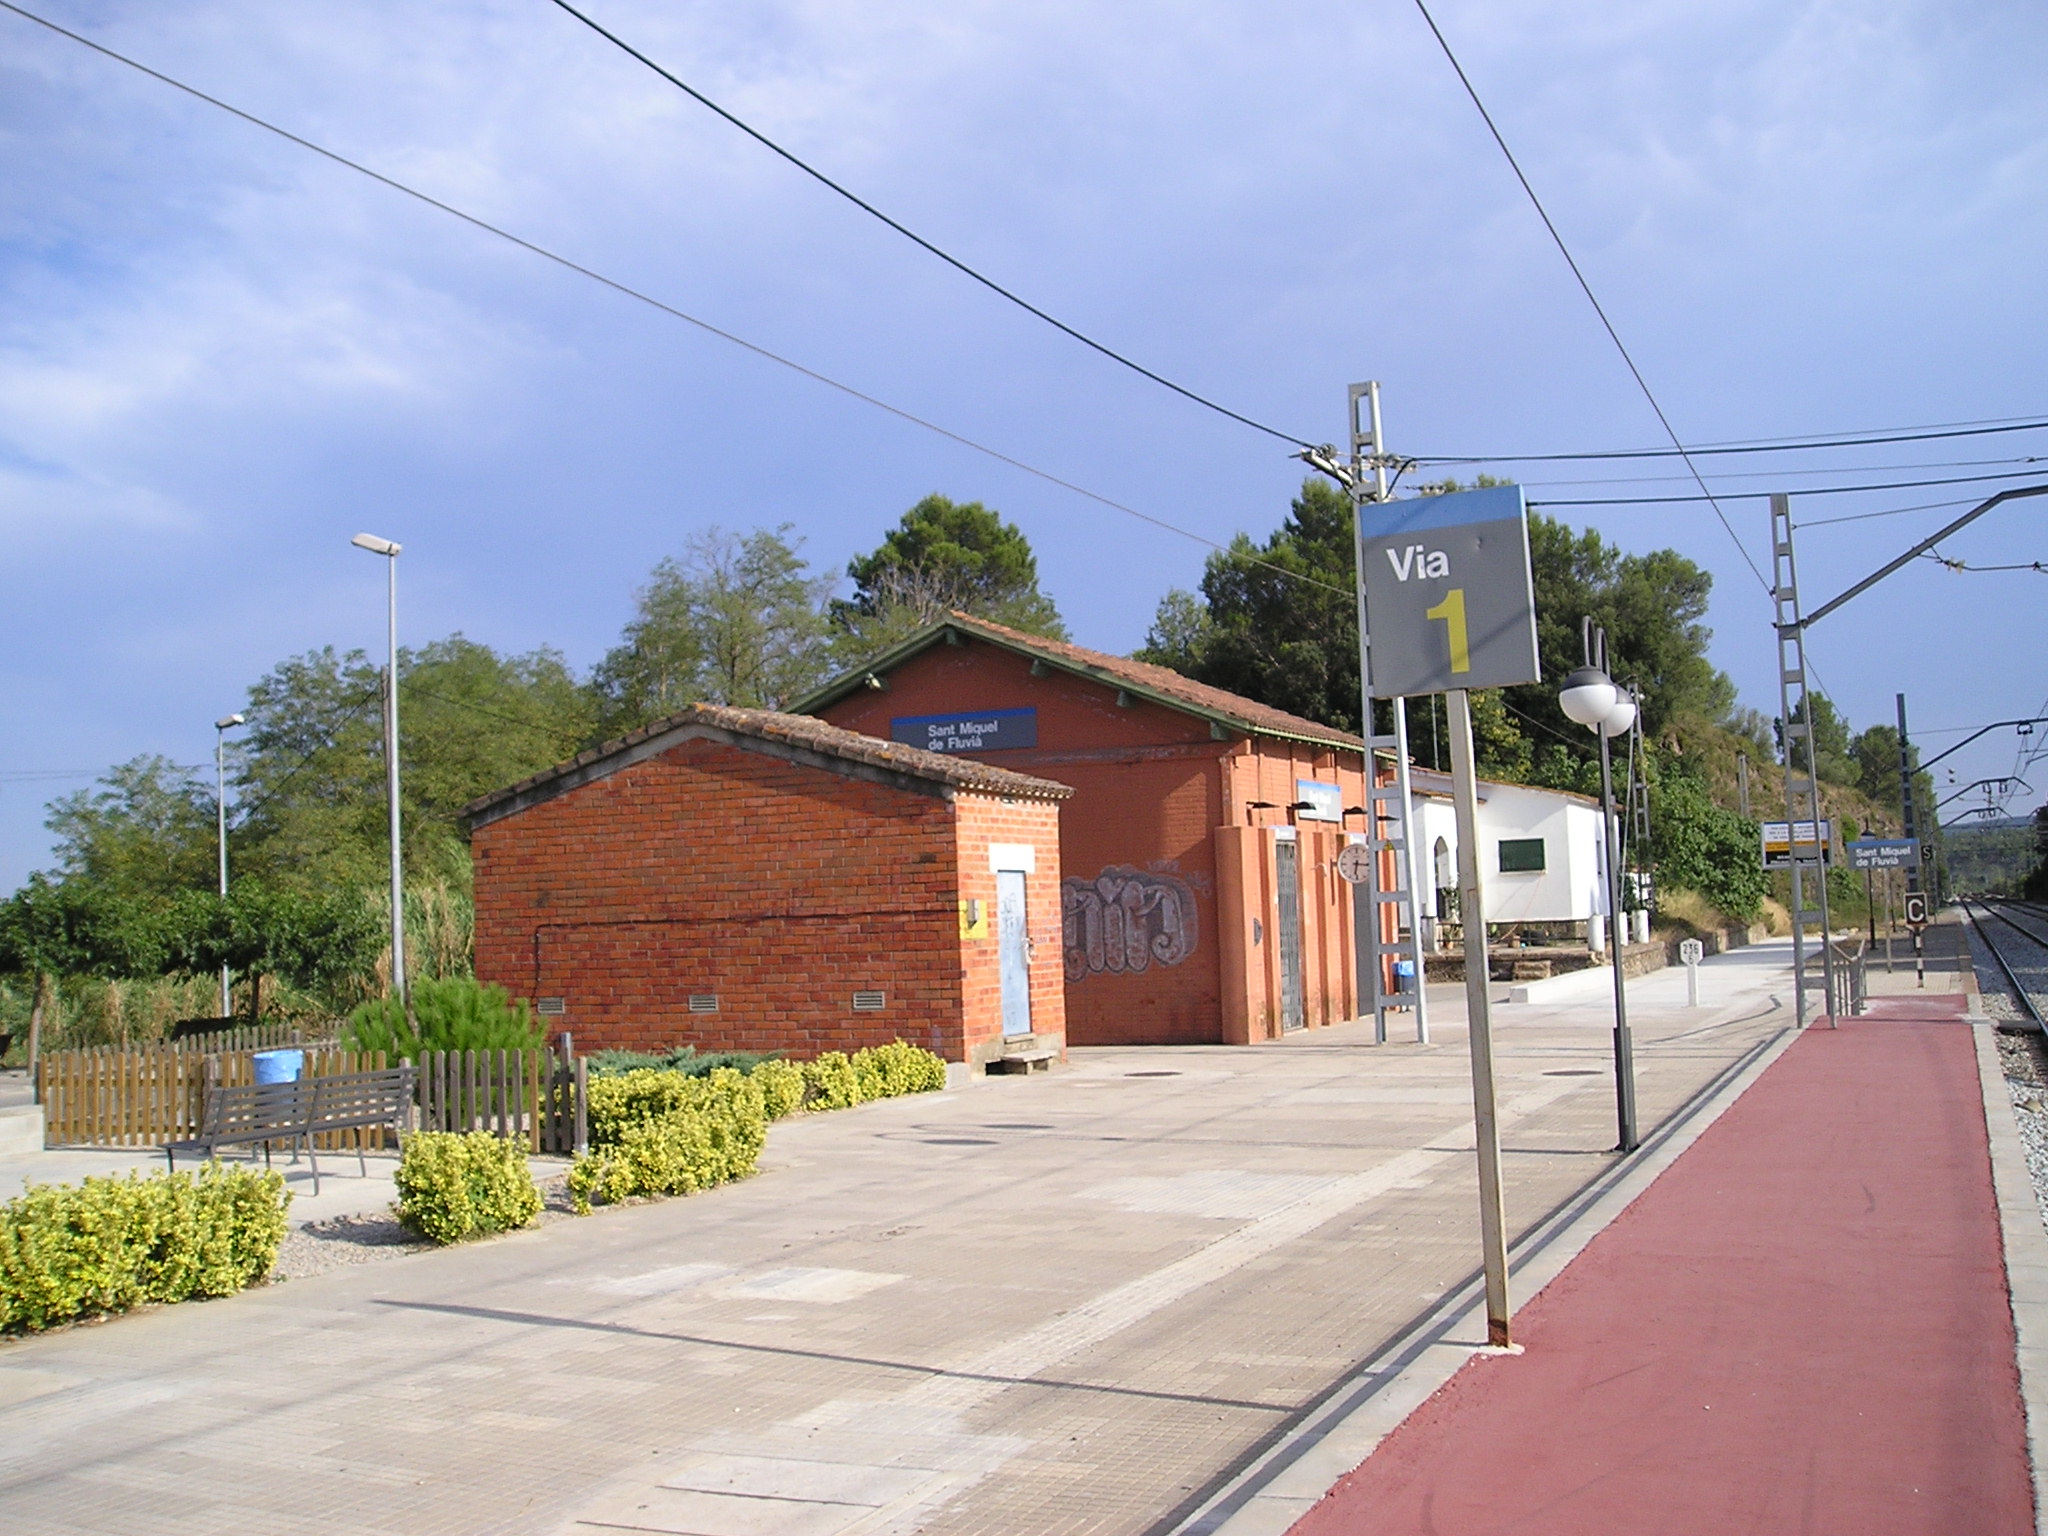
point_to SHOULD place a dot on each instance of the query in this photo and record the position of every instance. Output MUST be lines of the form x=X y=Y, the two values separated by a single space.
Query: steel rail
x=2012 y=979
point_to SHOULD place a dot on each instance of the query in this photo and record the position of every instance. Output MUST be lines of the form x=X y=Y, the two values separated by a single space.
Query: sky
x=221 y=355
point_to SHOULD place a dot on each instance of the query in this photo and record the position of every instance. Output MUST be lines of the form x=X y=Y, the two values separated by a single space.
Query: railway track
x=2016 y=934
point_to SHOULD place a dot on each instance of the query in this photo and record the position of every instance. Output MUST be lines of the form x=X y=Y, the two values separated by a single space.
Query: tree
x=1179 y=632
x=943 y=555
x=1701 y=847
x=147 y=829
x=1282 y=624
x=1833 y=759
x=311 y=787
x=737 y=621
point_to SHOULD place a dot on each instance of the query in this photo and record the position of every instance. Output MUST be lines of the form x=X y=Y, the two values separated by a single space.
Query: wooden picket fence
x=251 y=1037
x=109 y=1097
x=535 y=1096
x=142 y=1097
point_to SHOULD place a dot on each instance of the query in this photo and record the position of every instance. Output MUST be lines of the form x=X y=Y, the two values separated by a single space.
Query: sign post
x=1690 y=953
x=1447 y=581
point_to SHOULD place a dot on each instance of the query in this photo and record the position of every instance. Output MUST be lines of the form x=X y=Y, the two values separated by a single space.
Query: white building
x=1541 y=854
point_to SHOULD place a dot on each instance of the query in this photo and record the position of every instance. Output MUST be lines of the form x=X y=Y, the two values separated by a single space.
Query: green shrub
x=662 y=1133
x=782 y=1087
x=830 y=1082
x=686 y=1059
x=455 y=1185
x=451 y=1014
x=897 y=1068
x=116 y=1243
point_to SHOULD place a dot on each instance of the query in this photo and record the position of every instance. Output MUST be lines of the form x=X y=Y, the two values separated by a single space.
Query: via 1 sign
x=1448 y=594
x=988 y=730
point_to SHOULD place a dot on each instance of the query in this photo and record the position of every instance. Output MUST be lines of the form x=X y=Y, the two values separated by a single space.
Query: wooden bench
x=298 y=1111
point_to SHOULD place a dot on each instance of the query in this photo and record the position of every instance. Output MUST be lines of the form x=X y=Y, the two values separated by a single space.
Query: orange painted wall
x=1152 y=788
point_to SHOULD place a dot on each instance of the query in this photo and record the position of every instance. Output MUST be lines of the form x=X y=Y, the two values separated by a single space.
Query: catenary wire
x=919 y=240
x=1587 y=288
x=1780 y=473
x=1762 y=444
x=1864 y=517
x=1814 y=490
x=668 y=309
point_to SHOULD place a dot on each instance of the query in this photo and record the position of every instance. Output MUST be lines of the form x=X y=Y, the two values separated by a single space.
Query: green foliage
x=1701 y=847
x=943 y=555
x=454 y=1186
x=686 y=1059
x=886 y=1071
x=662 y=1133
x=147 y=829
x=455 y=1013
x=830 y=1082
x=782 y=1087
x=738 y=620
x=116 y=1243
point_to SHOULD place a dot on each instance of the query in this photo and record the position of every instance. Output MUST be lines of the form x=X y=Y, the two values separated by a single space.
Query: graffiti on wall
x=1126 y=920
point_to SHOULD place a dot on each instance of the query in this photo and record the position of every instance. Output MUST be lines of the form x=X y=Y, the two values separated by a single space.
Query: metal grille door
x=1287 y=904
x=1013 y=951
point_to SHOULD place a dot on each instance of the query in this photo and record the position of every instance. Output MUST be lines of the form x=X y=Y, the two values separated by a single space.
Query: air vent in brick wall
x=703 y=1002
x=550 y=1007
x=869 y=1002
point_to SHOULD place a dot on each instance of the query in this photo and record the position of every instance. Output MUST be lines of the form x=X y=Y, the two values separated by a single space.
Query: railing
x=1851 y=995
x=535 y=1096
x=143 y=1097
x=109 y=1097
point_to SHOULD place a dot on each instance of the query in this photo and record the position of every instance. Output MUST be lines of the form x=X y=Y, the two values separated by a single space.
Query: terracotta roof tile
x=805 y=731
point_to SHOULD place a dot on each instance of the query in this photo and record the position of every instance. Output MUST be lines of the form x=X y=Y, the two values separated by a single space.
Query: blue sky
x=220 y=356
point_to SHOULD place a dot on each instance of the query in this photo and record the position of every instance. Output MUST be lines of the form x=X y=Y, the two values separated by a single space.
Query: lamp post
x=390 y=551
x=1591 y=698
x=221 y=727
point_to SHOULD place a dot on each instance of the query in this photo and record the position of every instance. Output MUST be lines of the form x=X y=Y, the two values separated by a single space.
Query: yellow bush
x=116 y=1243
x=452 y=1186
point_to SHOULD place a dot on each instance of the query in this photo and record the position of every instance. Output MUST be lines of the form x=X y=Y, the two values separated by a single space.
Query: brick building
x=741 y=880
x=1200 y=900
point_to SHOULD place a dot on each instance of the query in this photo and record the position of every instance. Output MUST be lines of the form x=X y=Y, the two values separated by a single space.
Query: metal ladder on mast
x=1802 y=783
x=1388 y=807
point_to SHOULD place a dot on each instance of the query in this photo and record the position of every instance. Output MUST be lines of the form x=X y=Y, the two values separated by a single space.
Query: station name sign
x=988 y=730
x=1883 y=852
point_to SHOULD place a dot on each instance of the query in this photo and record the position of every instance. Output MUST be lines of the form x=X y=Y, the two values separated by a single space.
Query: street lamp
x=221 y=727
x=1590 y=698
x=390 y=551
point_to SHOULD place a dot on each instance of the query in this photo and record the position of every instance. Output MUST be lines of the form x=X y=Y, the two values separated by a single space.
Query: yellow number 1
x=1452 y=611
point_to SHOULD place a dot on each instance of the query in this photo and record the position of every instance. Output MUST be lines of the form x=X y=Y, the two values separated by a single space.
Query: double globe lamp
x=1591 y=698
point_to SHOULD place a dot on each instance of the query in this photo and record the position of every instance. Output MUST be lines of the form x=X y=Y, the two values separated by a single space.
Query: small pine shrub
x=662 y=1133
x=116 y=1243
x=782 y=1087
x=451 y=1014
x=452 y=1186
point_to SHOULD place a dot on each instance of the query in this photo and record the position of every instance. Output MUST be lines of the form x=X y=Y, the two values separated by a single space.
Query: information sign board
x=1883 y=852
x=1777 y=842
x=1448 y=593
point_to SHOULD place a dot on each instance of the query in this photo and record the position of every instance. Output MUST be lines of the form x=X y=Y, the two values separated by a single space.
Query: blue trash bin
x=279 y=1066
x=1404 y=972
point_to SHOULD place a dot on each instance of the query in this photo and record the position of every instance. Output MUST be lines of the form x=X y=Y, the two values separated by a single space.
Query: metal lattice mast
x=1388 y=807
x=1802 y=783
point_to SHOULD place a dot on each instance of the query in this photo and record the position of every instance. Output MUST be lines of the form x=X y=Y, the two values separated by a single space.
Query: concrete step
x=21 y=1129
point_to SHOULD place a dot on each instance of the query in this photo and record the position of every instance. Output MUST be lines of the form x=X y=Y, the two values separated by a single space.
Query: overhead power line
x=919 y=240
x=1778 y=475
x=1587 y=288
x=1761 y=444
x=638 y=296
x=1812 y=490
x=1968 y=569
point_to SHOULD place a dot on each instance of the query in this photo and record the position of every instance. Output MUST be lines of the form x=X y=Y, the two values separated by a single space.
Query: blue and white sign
x=1883 y=852
x=988 y=730
x=1319 y=801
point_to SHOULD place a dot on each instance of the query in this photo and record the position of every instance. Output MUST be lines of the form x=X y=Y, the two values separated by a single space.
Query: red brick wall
x=710 y=869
